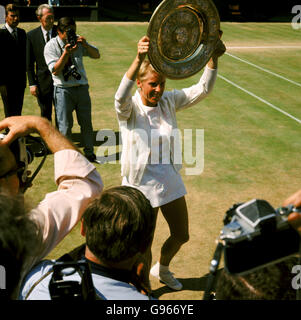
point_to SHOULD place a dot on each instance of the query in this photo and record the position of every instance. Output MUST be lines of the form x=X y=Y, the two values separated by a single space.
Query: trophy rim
x=209 y=33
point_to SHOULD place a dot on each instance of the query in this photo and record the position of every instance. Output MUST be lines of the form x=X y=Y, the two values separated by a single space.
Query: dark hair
x=64 y=23
x=119 y=224
x=272 y=282
x=11 y=7
x=18 y=239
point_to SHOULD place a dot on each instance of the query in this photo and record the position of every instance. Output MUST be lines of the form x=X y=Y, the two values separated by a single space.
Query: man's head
x=65 y=24
x=18 y=238
x=273 y=282
x=12 y=15
x=9 y=181
x=45 y=16
x=118 y=225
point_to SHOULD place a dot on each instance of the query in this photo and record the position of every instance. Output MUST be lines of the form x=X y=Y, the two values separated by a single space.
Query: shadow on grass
x=192 y=284
x=104 y=138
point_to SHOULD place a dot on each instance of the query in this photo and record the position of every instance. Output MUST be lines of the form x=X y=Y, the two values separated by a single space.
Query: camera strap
x=71 y=256
x=209 y=295
x=70 y=61
x=77 y=254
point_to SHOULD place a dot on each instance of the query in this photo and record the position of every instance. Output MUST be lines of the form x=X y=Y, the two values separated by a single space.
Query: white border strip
x=260 y=99
x=263 y=69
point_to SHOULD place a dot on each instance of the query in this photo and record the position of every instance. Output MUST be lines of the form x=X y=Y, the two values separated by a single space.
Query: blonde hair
x=144 y=69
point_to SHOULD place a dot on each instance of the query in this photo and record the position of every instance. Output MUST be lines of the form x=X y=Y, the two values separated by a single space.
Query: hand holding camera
x=255 y=235
x=71 y=38
x=70 y=69
x=19 y=127
x=83 y=41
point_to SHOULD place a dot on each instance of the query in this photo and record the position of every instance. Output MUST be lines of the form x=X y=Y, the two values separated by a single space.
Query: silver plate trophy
x=183 y=35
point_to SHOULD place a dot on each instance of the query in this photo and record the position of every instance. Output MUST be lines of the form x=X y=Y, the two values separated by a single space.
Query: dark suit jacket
x=37 y=70
x=13 y=58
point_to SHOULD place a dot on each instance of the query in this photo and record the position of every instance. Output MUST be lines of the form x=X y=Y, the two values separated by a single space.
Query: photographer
x=117 y=227
x=54 y=217
x=39 y=76
x=64 y=57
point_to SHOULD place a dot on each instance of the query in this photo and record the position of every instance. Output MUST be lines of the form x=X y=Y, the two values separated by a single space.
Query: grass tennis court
x=252 y=130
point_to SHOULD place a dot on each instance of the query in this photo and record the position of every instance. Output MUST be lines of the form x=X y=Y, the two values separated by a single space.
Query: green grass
x=251 y=150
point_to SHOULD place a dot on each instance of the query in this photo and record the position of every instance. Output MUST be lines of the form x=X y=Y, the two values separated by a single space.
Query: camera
x=71 y=71
x=62 y=288
x=25 y=149
x=254 y=235
x=71 y=37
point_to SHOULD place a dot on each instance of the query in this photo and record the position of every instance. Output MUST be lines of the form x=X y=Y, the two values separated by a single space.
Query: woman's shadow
x=105 y=139
x=192 y=284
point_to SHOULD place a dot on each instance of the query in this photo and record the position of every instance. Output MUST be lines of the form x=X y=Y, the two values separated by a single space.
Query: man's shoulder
x=34 y=32
x=20 y=30
x=113 y=289
x=3 y=31
x=37 y=279
x=52 y=43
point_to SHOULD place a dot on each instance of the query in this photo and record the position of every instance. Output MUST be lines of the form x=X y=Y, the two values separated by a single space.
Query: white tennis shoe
x=166 y=277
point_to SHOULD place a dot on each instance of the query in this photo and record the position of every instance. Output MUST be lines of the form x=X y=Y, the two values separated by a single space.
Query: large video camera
x=254 y=235
x=25 y=149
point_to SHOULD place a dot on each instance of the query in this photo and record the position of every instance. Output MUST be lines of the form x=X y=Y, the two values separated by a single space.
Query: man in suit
x=12 y=62
x=39 y=76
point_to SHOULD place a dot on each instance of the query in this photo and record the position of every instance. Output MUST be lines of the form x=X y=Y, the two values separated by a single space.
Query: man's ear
x=82 y=228
x=138 y=83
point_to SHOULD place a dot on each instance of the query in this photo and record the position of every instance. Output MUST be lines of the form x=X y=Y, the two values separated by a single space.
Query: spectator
x=78 y=183
x=12 y=62
x=39 y=76
x=117 y=227
x=54 y=3
x=2 y=15
x=71 y=90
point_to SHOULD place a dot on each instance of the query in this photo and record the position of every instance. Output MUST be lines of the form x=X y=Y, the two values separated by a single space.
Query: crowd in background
x=51 y=2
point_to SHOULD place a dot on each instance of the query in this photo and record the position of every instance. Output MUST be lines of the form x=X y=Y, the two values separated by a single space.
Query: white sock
x=163 y=268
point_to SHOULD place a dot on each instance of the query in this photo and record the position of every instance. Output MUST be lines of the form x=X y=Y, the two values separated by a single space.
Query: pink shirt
x=60 y=210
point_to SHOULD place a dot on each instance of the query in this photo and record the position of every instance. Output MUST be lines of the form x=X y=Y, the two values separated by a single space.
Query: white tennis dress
x=146 y=132
x=160 y=183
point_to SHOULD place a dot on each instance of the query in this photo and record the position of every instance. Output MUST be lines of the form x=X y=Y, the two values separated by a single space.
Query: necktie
x=14 y=34
x=47 y=36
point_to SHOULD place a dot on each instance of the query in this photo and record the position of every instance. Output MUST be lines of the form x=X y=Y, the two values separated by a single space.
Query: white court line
x=260 y=99
x=263 y=69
